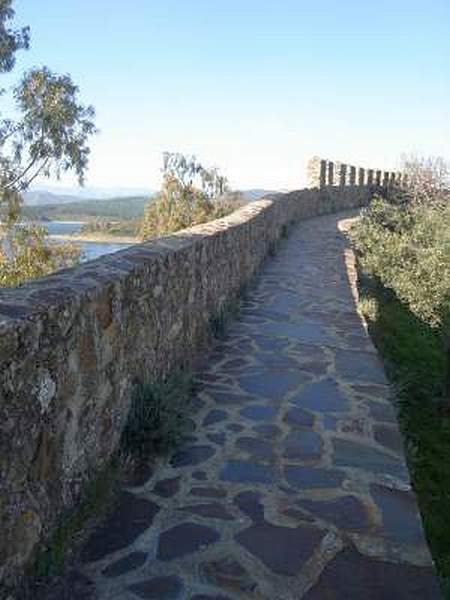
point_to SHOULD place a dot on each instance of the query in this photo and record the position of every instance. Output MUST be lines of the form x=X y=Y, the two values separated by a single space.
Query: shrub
x=25 y=253
x=157 y=415
x=407 y=246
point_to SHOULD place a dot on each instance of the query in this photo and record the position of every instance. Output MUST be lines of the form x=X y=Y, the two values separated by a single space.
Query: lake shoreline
x=94 y=238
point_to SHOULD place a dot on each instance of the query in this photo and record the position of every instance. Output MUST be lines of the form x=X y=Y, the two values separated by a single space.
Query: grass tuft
x=157 y=415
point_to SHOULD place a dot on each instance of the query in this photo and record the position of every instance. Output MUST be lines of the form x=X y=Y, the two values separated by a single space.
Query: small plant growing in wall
x=226 y=311
x=157 y=415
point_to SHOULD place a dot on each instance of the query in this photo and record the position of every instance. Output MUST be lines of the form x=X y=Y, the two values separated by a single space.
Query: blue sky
x=254 y=87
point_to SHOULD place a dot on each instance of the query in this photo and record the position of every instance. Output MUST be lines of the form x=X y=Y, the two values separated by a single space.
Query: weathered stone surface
x=241 y=471
x=309 y=332
x=323 y=396
x=192 y=455
x=330 y=422
x=228 y=573
x=217 y=438
x=352 y=576
x=273 y=385
x=360 y=366
x=355 y=426
x=389 y=437
x=234 y=364
x=185 y=539
x=276 y=362
x=379 y=392
x=270 y=344
x=267 y=430
x=196 y=405
x=310 y=477
x=259 y=412
x=209 y=597
x=159 y=588
x=208 y=492
x=130 y=518
x=282 y=549
x=381 y=411
x=235 y=427
x=297 y=515
x=166 y=488
x=297 y=417
x=229 y=398
x=212 y=510
x=214 y=416
x=258 y=449
x=362 y=456
x=250 y=504
x=199 y=475
x=305 y=445
x=400 y=515
x=347 y=513
x=130 y=562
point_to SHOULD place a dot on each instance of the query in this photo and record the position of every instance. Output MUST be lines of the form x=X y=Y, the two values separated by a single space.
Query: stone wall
x=73 y=344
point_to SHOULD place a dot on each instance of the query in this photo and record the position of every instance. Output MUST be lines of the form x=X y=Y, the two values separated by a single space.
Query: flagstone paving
x=293 y=482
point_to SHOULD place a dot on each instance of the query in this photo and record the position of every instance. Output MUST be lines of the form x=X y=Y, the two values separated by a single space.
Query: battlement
x=323 y=173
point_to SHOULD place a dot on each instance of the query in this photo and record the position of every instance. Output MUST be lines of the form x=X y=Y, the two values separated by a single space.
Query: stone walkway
x=292 y=484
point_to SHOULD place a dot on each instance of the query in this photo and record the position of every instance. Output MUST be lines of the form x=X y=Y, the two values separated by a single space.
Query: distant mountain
x=39 y=197
x=54 y=195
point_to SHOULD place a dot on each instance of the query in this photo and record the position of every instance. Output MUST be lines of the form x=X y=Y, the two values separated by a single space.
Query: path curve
x=293 y=483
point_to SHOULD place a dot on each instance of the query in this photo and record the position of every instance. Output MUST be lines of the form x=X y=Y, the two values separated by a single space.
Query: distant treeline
x=121 y=209
x=114 y=209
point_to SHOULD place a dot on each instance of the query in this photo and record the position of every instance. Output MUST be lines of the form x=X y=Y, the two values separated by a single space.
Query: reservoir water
x=89 y=250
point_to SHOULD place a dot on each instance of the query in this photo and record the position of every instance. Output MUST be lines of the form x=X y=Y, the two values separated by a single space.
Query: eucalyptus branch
x=38 y=171
x=6 y=136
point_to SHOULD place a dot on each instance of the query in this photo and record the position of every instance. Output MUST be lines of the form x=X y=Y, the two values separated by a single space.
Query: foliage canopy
x=190 y=194
x=405 y=242
x=46 y=135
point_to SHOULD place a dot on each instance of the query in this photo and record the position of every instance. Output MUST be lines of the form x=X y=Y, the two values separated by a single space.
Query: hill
x=122 y=209
x=69 y=208
x=39 y=197
x=58 y=195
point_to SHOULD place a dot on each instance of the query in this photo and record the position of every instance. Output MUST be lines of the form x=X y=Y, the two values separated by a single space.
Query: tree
x=11 y=40
x=49 y=137
x=190 y=175
x=428 y=179
x=190 y=194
